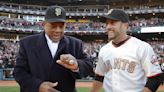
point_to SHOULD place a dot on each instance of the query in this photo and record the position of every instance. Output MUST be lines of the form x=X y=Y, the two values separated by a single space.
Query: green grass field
x=16 y=89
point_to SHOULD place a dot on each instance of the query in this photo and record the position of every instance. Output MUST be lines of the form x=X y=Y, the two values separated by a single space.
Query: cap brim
x=110 y=17
x=105 y=17
x=55 y=20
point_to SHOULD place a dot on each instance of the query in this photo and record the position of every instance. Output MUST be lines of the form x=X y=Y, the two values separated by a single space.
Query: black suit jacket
x=34 y=63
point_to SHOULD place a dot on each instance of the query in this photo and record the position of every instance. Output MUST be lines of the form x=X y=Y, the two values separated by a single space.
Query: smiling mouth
x=110 y=32
x=56 y=36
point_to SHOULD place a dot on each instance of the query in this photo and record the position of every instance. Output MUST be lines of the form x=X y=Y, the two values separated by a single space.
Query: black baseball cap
x=117 y=14
x=55 y=14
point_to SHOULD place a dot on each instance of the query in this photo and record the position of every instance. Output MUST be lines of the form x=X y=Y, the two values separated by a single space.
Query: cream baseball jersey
x=126 y=68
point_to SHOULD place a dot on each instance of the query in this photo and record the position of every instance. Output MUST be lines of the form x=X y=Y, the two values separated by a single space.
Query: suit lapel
x=42 y=50
x=43 y=53
x=62 y=48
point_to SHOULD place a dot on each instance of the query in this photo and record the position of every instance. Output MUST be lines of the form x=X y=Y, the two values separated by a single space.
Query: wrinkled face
x=55 y=30
x=115 y=29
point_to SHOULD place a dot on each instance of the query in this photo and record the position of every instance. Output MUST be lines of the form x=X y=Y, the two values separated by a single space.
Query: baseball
x=71 y=62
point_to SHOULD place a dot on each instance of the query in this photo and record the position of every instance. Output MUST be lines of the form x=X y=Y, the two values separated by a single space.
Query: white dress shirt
x=52 y=46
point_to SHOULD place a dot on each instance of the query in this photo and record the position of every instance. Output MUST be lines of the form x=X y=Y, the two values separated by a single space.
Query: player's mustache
x=108 y=29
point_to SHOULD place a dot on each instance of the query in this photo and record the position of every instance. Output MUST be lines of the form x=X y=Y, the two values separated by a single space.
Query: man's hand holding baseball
x=68 y=61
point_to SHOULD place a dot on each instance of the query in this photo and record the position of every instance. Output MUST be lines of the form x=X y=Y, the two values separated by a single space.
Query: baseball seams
x=71 y=62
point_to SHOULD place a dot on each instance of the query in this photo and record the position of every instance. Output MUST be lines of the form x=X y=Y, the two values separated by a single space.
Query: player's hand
x=68 y=61
x=48 y=87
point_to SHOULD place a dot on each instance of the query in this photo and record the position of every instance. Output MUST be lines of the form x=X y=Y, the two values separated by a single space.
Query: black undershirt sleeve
x=99 y=78
x=154 y=82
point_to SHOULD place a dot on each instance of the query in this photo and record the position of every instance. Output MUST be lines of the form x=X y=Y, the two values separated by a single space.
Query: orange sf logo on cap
x=58 y=11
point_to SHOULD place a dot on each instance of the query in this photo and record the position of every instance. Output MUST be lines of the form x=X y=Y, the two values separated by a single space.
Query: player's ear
x=126 y=25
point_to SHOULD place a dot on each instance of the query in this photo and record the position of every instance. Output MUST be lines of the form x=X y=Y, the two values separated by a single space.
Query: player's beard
x=114 y=34
x=111 y=35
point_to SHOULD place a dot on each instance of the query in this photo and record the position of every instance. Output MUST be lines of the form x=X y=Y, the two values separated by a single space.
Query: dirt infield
x=78 y=84
x=13 y=83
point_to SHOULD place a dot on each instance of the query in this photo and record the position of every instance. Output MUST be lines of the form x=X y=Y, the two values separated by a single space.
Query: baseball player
x=125 y=64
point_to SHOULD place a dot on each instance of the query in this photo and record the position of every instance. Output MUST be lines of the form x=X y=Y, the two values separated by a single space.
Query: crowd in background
x=19 y=24
x=22 y=25
x=8 y=50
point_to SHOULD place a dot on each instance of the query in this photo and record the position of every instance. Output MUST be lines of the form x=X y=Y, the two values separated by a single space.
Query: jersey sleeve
x=149 y=61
